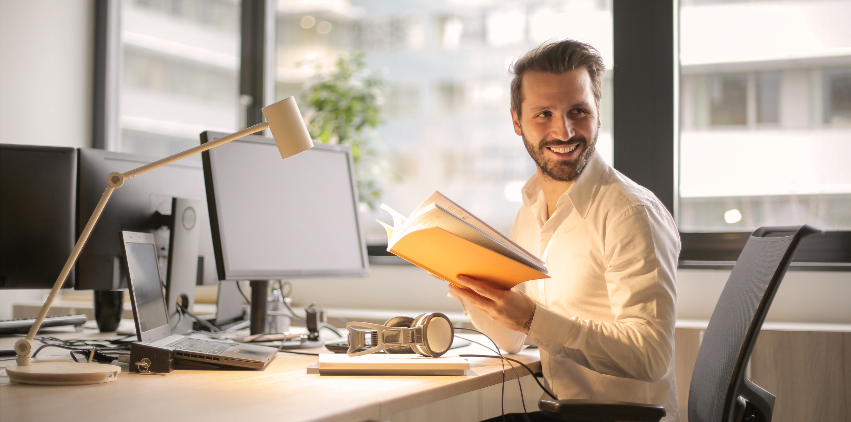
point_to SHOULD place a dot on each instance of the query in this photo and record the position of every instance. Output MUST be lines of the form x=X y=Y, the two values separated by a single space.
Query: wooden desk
x=283 y=391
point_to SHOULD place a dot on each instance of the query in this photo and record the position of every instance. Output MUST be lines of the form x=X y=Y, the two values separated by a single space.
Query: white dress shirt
x=604 y=322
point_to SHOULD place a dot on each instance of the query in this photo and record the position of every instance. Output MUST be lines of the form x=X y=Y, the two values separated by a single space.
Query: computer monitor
x=276 y=219
x=38 y=187
x=133 y=208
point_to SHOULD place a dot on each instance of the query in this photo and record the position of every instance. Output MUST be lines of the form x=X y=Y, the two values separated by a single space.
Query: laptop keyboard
x=197 y=345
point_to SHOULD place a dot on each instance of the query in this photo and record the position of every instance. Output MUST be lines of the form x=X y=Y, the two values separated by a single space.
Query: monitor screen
x=37 y=207
x=147 y=288
x=132 y=208
x=274 y=219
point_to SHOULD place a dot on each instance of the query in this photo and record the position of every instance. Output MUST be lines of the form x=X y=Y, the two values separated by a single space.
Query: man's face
x=560 y=122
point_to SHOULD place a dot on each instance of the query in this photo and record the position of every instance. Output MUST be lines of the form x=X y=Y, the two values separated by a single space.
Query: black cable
x=521 y=364
x=516 y=375
x=332 y=329
x=239 y=287
x=203 y=322
x=287 y=305
x=83 y=344
x=500 y=356
x=179 y=317
x=496 y=347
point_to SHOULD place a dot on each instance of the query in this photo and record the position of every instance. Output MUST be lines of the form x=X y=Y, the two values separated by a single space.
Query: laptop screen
x=147 y=290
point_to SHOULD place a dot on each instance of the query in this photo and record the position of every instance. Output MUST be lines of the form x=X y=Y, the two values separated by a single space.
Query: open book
x=446 y=240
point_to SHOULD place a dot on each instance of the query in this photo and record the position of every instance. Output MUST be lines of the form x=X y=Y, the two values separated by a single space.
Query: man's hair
x=558 y=57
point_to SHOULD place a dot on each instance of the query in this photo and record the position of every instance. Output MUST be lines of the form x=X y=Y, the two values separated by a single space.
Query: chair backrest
x=719 y=391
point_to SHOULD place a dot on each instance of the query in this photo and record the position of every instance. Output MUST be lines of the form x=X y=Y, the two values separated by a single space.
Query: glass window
x=767 y=97
x=837 y=95
x=764 y=133
x=728 y=96
x=179 y=73
x=446 y=123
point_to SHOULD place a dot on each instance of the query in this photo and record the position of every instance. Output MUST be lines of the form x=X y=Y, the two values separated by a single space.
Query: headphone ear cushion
x=399 y=321
x=438 y=334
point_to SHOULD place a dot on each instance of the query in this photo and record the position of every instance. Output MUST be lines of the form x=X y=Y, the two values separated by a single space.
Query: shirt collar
x=581 y=193
x=584 y=190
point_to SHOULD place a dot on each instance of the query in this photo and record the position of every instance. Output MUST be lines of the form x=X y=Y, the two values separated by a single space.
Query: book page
x=457 y=210
x=436 y=216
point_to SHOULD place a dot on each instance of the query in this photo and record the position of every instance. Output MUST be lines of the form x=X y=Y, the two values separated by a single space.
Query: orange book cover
x=447 y=241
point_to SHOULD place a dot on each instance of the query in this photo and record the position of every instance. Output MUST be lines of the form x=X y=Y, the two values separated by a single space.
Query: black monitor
x=133 y=207
x=276 y=219
x=37 y=215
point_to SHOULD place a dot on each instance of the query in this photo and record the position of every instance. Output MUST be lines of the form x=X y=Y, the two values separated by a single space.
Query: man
x=604 y=322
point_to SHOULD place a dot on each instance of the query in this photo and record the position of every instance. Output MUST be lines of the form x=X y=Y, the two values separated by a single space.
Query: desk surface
x=283 y=391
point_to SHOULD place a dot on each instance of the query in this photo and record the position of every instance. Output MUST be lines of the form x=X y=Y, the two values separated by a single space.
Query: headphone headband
x=430 y=334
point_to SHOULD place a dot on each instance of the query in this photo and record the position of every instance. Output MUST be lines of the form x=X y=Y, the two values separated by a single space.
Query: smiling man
x=604 y=322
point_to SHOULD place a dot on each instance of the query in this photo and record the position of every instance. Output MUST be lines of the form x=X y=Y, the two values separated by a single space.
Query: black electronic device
x=274 y=219
x=38 y=187
x=153 y=330
x=169 y=203
x=134 y=207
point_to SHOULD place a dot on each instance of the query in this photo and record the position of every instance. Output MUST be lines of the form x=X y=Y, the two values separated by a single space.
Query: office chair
x=719 y=390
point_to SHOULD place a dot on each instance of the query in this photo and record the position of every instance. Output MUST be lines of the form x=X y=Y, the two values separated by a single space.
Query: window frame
x=646 y=141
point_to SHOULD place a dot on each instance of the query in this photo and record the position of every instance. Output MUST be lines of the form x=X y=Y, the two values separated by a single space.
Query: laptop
x=151 y=316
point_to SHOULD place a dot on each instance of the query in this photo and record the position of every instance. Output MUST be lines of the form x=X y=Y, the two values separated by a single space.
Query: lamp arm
x=23 y=347
x=192 y=151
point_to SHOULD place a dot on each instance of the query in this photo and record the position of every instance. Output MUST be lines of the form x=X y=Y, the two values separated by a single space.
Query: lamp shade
x=288 y=127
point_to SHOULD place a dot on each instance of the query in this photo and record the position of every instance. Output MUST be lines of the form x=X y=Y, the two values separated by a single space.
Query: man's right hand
x=509 y=308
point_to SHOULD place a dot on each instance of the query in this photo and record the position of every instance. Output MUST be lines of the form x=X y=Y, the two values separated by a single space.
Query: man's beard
x=562 y=170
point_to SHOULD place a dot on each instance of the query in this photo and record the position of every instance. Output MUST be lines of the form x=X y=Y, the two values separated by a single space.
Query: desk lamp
x=291 y=137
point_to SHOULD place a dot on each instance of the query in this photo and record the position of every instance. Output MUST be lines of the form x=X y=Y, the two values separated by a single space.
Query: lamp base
x=63 y=372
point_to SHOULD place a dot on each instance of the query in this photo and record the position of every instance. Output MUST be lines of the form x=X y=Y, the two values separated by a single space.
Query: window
x=179 y=68
x=728 y=99
x=754 y=149
x=761 y=136
x=837 y=97
x=447 y=123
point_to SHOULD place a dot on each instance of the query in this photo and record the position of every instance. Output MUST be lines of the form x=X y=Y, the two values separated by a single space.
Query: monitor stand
x=316 y=317
x=259 y=297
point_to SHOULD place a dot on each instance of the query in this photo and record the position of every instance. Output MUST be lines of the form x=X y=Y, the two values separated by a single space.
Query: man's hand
x=509 y=308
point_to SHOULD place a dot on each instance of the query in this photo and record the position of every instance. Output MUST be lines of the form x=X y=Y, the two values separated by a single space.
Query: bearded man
x=604 y=321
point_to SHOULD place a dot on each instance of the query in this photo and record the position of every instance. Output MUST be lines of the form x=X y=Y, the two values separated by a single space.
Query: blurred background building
x=765 y=95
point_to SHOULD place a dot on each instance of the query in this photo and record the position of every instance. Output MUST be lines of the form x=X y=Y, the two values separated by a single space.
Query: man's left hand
x=510 y=308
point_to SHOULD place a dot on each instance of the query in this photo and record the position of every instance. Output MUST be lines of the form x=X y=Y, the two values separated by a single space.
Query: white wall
x=46 y=68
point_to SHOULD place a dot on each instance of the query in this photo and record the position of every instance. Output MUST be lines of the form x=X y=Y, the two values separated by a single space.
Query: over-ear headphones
x=429 y=334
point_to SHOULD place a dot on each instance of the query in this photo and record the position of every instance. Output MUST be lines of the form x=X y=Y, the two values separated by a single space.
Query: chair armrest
x=581 y=410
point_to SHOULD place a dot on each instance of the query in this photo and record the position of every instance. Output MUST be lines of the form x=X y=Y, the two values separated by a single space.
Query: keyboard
x=23 y=325
x=197 y=345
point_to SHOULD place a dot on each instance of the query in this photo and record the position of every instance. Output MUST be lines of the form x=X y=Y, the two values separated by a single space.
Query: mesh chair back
x=718 y=379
